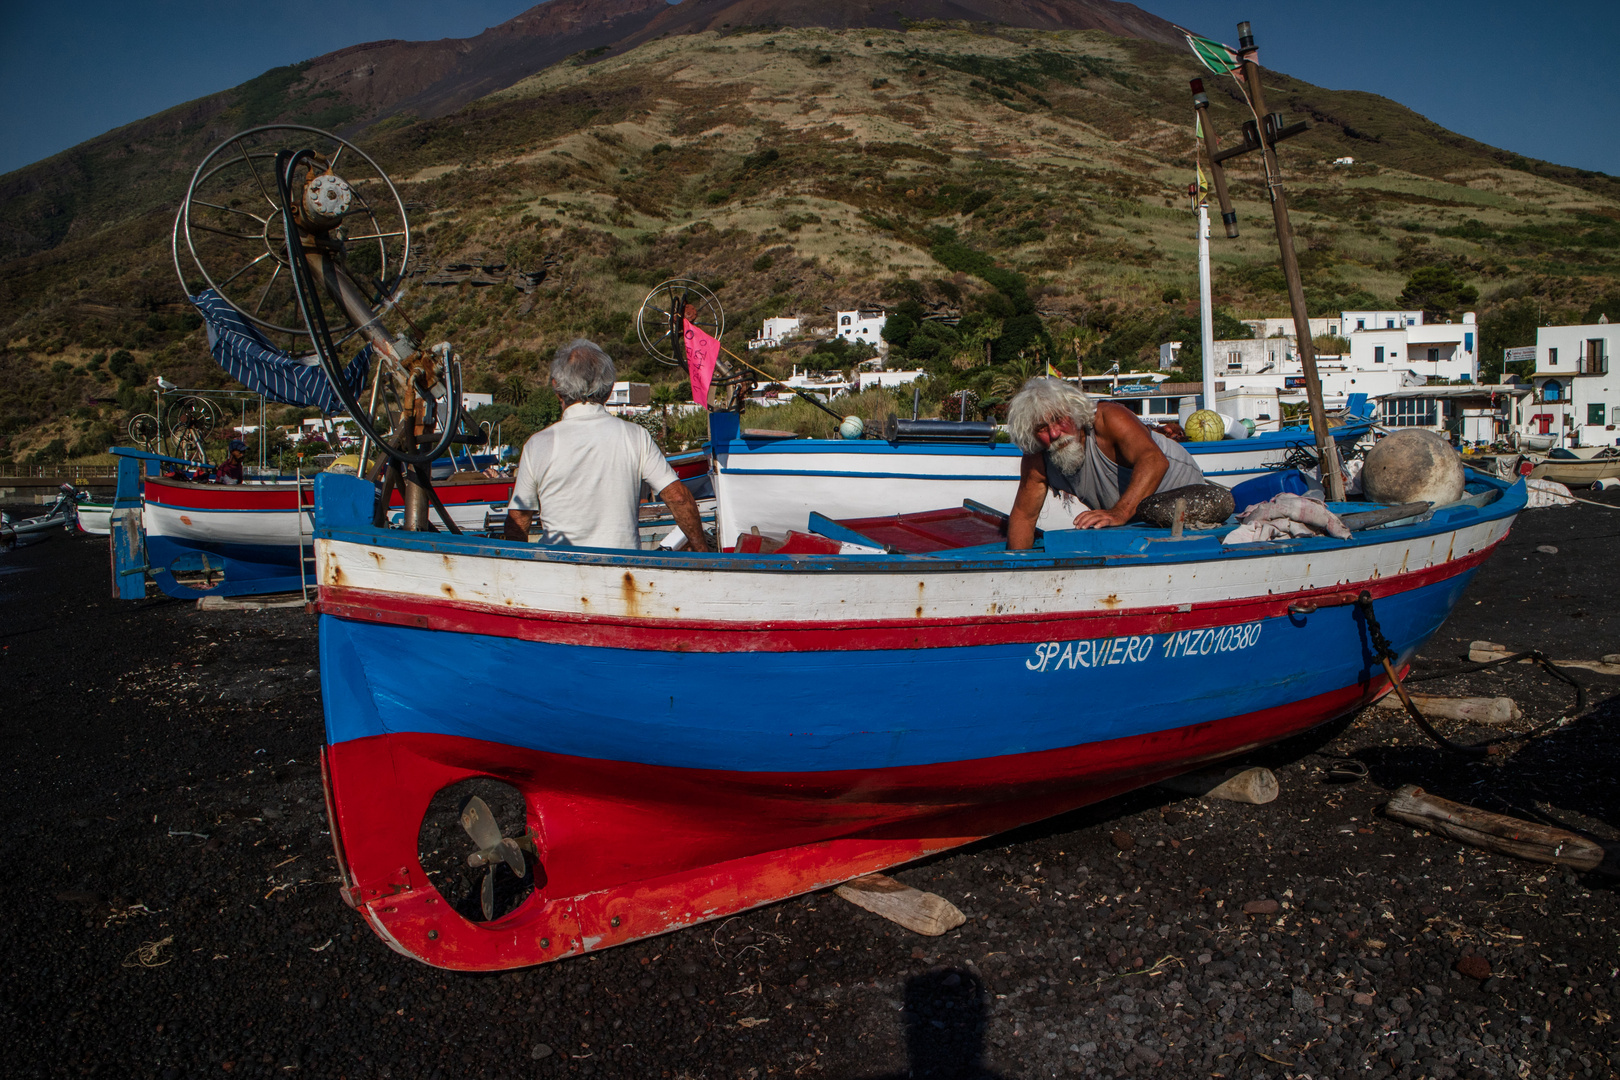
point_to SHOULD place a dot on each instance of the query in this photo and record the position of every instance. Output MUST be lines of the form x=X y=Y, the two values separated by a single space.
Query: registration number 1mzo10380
x=1135 y=648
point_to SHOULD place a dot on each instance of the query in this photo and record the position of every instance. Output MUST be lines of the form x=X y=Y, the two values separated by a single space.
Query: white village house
x=862 y=325
x=1389 y=350
x=629 y=398
x=1577 y=394
x=775 y=331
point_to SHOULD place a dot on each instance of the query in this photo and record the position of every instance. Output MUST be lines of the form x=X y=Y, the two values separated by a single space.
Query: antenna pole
x=1271 y=128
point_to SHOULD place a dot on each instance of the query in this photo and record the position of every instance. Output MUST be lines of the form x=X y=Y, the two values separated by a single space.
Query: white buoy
x=853 y=427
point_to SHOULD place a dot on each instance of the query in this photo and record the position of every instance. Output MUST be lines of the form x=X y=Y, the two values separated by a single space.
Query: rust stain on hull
x=632 y=599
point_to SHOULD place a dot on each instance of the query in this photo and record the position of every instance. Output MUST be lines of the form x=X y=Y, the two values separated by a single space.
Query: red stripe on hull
x=627 y=851
x=698 y=635
x=192 y=496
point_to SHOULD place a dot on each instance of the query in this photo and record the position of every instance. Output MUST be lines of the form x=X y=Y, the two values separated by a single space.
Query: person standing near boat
x=229 y=471
x=1100 y=453
x=582 y=475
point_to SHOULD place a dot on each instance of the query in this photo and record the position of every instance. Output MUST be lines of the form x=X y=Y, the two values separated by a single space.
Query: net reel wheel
x=231 y=230
x=665 y=307
x=193 y=417
x=143 y=431
x=422 y=407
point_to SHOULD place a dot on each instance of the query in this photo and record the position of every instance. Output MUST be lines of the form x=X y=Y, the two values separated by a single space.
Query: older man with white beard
x=1096 y=452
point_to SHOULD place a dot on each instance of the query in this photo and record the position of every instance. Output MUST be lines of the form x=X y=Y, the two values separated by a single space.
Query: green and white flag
x=1215 y=56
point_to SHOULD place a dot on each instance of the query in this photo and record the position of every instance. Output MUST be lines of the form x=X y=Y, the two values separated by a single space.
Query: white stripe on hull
x=648 y=590
x=274 y=527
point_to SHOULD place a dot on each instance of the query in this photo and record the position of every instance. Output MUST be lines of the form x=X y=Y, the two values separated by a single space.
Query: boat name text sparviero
x=1056 y=655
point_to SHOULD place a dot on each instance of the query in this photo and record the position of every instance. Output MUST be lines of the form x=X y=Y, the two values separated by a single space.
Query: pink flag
x=702 y=351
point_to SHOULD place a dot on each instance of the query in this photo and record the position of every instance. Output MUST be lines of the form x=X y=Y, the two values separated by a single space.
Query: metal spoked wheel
x=143 y=431
x=656 y=320
x=191 y=421
x=230 y=236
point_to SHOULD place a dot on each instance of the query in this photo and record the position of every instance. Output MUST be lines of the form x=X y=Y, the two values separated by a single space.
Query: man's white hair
x=583 y=372
x=1041 y=401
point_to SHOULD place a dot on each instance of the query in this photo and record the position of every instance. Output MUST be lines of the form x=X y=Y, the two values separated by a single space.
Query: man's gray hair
x=1042 y=400
x=583 y=372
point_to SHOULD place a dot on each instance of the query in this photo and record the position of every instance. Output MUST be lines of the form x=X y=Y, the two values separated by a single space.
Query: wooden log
x=1253 y=786
x=1494 y=832
x=249 y=603
x=913 y=909
x=1484 y=651
x=1477 y=710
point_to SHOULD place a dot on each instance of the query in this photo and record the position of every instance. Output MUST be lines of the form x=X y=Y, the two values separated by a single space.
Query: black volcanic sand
x=171 y=911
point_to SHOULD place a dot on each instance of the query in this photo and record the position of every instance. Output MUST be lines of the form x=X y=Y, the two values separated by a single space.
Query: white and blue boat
x=692 y=735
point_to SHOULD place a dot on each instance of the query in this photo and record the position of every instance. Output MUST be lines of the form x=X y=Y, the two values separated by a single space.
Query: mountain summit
x=425 y=79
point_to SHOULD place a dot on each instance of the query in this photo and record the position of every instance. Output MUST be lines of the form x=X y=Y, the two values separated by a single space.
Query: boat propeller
x=493 y=848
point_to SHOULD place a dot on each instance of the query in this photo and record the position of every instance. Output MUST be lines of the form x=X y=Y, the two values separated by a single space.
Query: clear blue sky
x=1536 y=78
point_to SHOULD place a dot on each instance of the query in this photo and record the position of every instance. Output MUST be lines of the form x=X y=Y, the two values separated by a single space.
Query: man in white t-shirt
x=583 y=474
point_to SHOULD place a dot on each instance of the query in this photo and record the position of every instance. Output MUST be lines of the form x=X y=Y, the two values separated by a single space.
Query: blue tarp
x=247 y=357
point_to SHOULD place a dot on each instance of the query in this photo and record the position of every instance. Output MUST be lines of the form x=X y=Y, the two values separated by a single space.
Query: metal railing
x=55 y=472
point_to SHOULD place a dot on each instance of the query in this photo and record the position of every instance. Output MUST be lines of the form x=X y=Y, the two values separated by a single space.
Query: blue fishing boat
x=694 y=735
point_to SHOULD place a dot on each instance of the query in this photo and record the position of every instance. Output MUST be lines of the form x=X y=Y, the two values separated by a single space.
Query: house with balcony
x=1577 y=393
x=862 y=325
x=1436 y=352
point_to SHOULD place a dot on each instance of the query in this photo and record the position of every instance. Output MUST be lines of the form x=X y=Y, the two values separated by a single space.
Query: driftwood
x=1479 y=710
x=1483 y=651
x=911 y=908
x=1495 y=832
x=1254 y=786
x=249 y=603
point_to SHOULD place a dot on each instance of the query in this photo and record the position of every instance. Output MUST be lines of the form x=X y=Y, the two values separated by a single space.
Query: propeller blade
x=480 y=824
x=488 y=897
x=513 y=855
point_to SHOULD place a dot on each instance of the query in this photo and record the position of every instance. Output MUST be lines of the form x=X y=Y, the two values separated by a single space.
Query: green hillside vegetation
x=1013 y=197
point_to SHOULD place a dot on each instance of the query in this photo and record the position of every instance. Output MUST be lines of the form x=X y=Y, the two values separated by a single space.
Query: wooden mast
x=1271 y=128
x=1263 y=134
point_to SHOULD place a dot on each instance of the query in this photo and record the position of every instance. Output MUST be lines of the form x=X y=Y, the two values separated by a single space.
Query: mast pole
x=1270 y=125
x=1206 y=310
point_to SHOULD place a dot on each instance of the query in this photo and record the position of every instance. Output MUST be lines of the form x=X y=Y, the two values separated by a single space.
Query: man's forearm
x=1020 y=530
x=517 y=524
x=685 y=511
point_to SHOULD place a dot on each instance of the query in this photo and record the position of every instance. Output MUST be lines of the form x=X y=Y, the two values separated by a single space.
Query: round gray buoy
x=1207 y=504
x=1413 y=466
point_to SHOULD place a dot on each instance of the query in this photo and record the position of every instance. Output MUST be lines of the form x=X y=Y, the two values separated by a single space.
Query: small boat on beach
x=60 y=516
x=692 y=735
x=1579 y=467
x=204 y=539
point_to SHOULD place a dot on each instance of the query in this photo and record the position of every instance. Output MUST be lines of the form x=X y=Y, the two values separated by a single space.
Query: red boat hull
x=614 y=870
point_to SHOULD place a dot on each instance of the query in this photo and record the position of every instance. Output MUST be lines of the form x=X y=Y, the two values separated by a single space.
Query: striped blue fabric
x=247 y=357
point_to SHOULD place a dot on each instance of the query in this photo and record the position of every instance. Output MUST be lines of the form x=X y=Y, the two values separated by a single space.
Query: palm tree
x=1019 y=371
x=664 y=395
x=513 y=391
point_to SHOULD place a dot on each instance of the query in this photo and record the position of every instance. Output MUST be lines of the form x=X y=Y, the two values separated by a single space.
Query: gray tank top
x=1101 y=481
